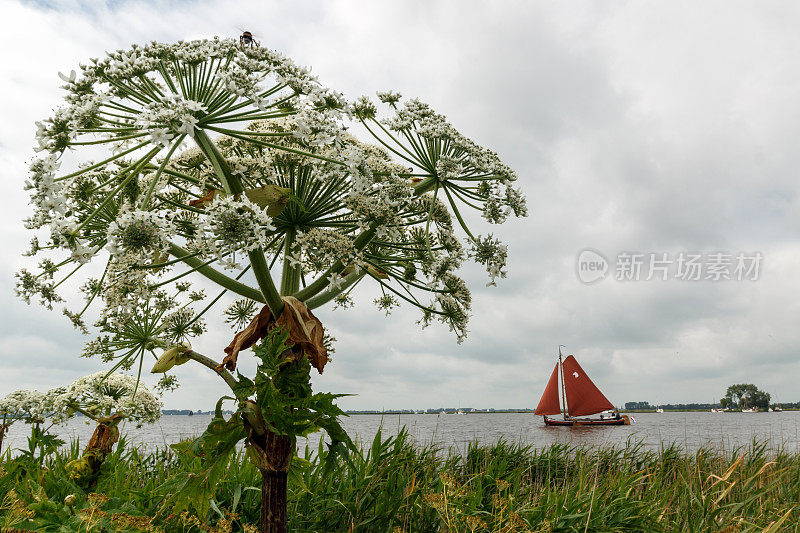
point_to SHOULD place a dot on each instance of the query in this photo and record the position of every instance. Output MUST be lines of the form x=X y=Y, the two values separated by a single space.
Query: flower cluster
x=47 y=195
x=493 y=254
x=321 y=247
x=240 y=312
x=233 y=225
x=102 y=394
x=218 y=153
x=142 y=235
x=173 y=113
x=28 y=405
x=30 y=285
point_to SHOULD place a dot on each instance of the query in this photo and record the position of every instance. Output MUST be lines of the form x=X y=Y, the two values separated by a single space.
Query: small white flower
x=68 y=79
x=188 y=123
x=336 y=281
x=193 y=105
x=161 y=136
x=293 y=261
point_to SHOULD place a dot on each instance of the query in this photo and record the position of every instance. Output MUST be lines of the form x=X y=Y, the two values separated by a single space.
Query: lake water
x=689 y=430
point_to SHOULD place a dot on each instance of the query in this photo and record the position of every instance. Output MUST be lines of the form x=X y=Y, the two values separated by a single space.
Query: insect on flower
x=246 y=40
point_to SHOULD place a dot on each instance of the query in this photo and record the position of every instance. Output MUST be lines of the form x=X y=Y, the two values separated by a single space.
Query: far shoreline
x=185 y=412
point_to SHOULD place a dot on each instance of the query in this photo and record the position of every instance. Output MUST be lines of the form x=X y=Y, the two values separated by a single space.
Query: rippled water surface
x=689 y=430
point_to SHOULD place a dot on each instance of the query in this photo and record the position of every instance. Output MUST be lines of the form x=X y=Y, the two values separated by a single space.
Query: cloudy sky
x=658 y=127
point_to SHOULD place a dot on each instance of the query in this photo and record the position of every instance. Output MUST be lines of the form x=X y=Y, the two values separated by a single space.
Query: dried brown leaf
x=305 y=332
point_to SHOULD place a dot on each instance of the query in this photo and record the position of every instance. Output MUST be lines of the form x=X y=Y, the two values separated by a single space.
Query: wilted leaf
x=160 y=257
x=305 y=332
x=377 y=272
x=205 y=200
x=269 y=197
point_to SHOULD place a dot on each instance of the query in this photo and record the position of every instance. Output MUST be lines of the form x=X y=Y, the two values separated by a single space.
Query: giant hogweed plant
x=104 y=398
x=208 y=159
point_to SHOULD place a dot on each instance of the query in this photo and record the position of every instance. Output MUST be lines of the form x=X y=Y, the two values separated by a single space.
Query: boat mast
x=564 y=411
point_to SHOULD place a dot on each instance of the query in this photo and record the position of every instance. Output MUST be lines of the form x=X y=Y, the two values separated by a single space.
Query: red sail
x=583 y=397
x=549 y=405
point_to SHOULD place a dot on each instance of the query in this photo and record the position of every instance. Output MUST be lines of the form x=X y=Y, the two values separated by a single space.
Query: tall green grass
x=395 y=485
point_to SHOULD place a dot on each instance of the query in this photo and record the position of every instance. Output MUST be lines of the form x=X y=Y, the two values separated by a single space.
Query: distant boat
x=659 y=410
x=460 y=412
x=751 y=410
x=580 y=398
x=715 y=410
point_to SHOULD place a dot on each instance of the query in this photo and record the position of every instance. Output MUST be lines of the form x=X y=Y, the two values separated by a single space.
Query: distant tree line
x=686 y=406
x=645 y=406
x=738 y=396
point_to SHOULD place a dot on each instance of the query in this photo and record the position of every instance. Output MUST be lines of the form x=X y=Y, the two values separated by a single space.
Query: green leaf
x=207 y=456
x=244 y=387
x=297 y=472
x=215 y=508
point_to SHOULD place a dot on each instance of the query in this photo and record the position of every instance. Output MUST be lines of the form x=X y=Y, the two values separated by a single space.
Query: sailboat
x=580 y=398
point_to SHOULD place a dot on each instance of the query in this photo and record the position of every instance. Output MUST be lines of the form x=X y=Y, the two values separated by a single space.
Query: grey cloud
x=630 y=130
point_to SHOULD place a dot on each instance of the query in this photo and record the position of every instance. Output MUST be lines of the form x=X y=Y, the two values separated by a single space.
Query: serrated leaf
x=208 y=455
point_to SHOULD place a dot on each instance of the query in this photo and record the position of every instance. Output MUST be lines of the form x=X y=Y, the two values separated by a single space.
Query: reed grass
x=395 y=485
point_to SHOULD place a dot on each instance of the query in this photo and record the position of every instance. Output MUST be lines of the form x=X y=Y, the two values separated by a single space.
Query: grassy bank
x=395 y=485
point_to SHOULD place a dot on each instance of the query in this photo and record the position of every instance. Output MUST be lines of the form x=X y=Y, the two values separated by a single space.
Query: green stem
x=321 y=282
x=221 y=167
x=290 y=278
x=261 y=271
x=327 y=296
x=215 y=275
x=213 y=365
x=233 y=185
x=161 y=167
x=83 y=412
x=101 y=163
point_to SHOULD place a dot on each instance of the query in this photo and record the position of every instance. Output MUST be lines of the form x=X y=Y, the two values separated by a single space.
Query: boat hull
x=586 y=422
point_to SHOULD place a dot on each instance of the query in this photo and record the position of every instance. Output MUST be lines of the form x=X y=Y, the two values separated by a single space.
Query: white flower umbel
x=101 y=395
x=234 y=226
x=192 y=157
x=29 y=405
x=140 y=234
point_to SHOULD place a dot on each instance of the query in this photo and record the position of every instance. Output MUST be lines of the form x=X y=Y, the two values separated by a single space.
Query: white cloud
x=632 y=126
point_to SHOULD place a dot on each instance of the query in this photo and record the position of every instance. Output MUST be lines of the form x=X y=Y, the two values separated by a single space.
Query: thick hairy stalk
x=106 y=434
x=278 y=448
